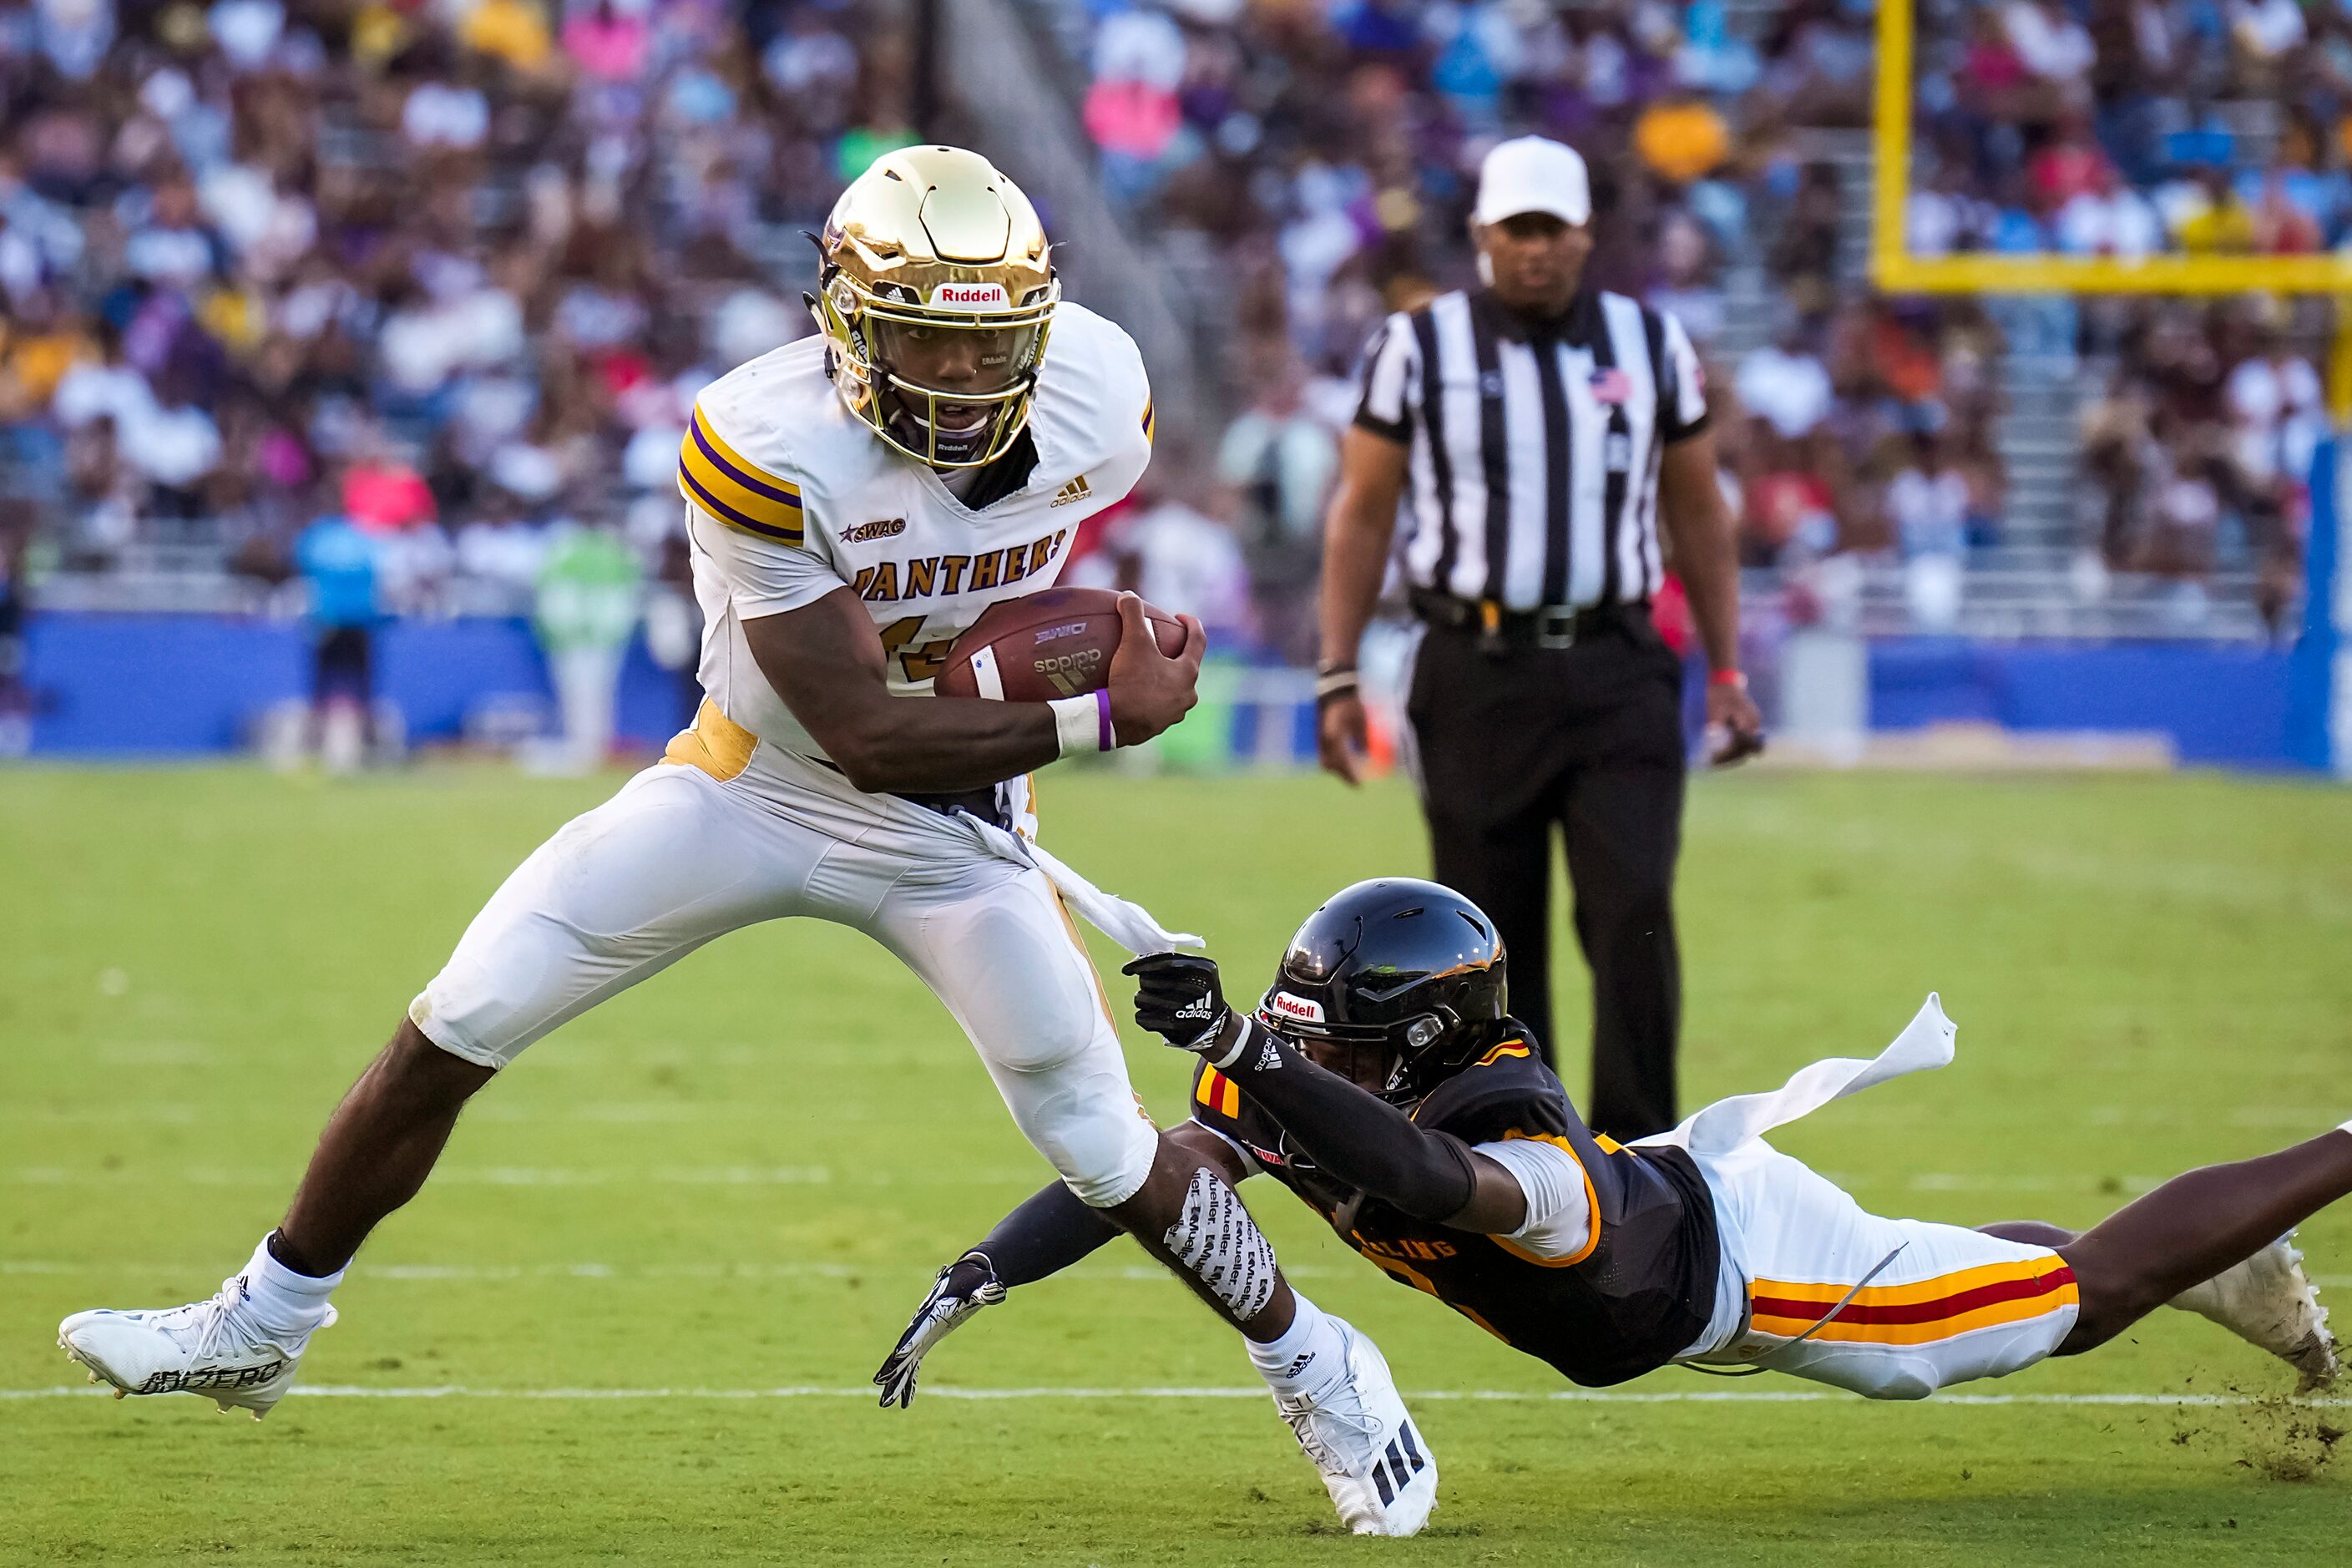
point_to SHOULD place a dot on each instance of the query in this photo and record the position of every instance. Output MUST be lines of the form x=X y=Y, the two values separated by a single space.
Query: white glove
x=963 y=1288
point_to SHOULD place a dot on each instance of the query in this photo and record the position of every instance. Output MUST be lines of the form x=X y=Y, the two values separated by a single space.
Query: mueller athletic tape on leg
x=1217 y=1241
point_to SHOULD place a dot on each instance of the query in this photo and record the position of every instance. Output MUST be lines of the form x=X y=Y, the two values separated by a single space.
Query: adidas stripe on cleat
x=1382 y=1479
x=1390 y=1472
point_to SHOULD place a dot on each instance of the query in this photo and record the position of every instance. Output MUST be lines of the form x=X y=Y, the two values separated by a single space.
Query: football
x=1058 y=643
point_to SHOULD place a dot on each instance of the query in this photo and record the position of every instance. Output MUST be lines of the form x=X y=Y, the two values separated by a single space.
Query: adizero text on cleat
x=214 y=1348
x=2269 y=1301
x=1374 y=1462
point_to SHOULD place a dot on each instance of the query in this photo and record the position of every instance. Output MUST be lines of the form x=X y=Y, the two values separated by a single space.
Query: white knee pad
x=1110 y=1160
x=1084 y=1118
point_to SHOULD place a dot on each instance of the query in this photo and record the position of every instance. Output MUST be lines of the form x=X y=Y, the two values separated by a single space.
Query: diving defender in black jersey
x=1382 y=1080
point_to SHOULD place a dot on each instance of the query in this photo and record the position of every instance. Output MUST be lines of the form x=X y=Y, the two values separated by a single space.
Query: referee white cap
x=1532 y=174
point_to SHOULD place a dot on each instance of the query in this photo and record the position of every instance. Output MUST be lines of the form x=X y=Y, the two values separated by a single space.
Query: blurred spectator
x=585 y=613
x=1790 y=514
x=2277 y=410
x=2106 y=217
x=16 y=696
x=1280 y=459
x=2054 y=49
x=339 y=561
x=1804 y=259
x=1927 y=502
x=1784 y=383
x=1681 y=139
x=1928 y=506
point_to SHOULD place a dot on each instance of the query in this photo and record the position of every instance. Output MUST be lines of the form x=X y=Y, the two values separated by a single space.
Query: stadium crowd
x=1322 y=155
x=450 y=270
x=453 y=269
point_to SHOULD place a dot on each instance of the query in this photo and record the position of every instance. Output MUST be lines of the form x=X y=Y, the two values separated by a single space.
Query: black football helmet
x=1404 y=968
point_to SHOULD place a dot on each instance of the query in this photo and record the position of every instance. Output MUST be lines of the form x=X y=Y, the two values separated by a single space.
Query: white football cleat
x=214 y=1348
x=1376 y=1467
x=2268 y=1300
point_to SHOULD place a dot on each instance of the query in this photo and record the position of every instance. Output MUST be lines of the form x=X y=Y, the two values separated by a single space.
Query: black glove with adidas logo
x=1179 y=997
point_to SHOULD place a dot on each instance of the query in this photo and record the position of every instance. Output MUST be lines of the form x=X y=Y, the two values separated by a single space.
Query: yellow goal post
x=1894 y=270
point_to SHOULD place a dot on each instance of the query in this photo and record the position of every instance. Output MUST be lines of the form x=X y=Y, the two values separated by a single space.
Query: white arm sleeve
x=1559 y=1209
x=763 y=577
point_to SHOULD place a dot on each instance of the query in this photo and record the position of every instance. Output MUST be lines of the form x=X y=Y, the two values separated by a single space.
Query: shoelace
x=1299 y=1407
x=218 y=1316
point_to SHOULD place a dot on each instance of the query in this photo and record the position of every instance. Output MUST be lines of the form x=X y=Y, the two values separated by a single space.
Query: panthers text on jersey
x=792 y=497
x=1642 y=1290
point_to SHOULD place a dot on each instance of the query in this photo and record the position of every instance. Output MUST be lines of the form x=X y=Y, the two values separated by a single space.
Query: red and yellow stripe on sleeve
x=1218 y=1092
x=1919 y=1314
x=732 y=487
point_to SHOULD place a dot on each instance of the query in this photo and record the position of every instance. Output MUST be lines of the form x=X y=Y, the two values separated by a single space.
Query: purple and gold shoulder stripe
x=720 y=480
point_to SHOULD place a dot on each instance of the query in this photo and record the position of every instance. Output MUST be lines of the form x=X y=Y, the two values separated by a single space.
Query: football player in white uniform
x=855 y=500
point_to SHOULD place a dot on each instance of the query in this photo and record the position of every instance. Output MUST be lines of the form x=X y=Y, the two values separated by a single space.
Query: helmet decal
x=1284 y=1004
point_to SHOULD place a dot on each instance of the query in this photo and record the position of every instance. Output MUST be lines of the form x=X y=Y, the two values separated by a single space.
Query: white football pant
x=1895 y=1309
x=724 y=834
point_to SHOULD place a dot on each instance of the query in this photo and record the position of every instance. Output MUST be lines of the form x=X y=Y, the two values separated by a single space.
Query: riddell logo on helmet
x=972 y=296
x=1305 y=1009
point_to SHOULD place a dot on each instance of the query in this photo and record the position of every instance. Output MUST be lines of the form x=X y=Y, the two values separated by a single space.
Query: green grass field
x=738 y=1180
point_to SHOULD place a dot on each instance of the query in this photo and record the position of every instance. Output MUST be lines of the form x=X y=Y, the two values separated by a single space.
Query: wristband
x=1737 y=679
x=1333 y=683
x=1083 y=723
x=1241 y=1042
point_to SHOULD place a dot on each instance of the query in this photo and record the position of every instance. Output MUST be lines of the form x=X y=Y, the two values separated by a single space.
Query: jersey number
x=920 y=662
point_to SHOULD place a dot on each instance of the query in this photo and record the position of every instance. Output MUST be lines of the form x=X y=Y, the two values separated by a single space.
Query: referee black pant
x=1516 y=740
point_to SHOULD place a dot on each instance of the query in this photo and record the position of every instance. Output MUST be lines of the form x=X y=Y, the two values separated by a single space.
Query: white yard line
x=180 y=1114
x=1117 y=1395
x=471 y=1272
x=553 y=1176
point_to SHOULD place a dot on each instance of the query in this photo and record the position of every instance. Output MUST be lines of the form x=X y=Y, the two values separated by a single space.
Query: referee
x=1541 y=436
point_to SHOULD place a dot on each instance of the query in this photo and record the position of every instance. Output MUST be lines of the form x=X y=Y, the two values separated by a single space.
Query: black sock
x=281 y=1249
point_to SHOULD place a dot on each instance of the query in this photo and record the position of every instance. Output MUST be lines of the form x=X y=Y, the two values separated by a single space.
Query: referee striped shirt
x=1535 y=445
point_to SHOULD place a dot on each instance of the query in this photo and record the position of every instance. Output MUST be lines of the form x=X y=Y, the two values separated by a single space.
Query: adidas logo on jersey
x=1076 y=489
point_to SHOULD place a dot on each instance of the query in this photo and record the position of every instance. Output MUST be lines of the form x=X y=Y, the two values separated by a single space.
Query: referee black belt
x=1552 y=626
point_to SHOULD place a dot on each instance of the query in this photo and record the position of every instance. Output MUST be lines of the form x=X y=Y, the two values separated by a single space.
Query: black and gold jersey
x=1640 y=1290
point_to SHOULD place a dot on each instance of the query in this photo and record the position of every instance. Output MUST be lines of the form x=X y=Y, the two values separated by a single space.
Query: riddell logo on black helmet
x=1304 y=1008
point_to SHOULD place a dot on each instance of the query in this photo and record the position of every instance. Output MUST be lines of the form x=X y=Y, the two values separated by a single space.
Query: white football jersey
x=791 y=497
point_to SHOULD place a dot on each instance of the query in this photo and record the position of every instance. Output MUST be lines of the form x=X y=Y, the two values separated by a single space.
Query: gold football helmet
x=936 y=293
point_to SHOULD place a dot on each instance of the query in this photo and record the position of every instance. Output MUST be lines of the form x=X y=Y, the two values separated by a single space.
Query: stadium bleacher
x=620 y=190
